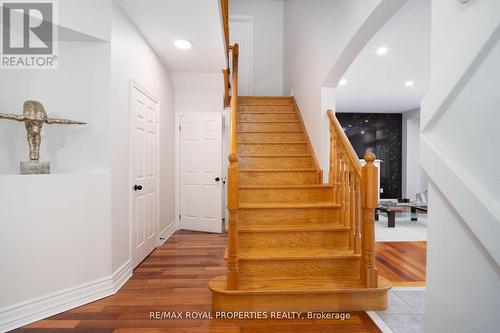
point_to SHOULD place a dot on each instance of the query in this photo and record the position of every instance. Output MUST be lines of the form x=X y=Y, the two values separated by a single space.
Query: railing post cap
x=369 y=157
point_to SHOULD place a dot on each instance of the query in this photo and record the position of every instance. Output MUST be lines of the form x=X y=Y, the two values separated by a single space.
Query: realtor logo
x=28 y=35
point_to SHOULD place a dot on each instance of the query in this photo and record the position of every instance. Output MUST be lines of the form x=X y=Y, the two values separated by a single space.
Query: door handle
x=217 y=179
x=137 y=187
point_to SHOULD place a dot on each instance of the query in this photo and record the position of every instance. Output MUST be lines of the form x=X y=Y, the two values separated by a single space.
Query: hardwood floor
x=403 y=263
x=175 y=278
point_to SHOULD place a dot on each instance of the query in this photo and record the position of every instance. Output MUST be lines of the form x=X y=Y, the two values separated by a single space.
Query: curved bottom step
x=325 y=297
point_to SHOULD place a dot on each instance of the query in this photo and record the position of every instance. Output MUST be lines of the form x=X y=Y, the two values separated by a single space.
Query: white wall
x=198 y=92
x=414 y=177
x=321 y=39
x=133 y=59
x=463 y=281
x=458 y=150
x=55 y=232
x=267 y=62
x=91 y=18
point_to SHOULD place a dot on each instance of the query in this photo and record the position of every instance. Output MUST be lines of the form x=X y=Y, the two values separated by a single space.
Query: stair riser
x=277 y=177
x=336 y=269
x=308 y=302
x=274 y=162
x=272 y=137
x=244 y=101
x=274 y=149
x=333 y=239
x=267 y=116
x=288 y=195
x=287 y=216
x=269 y=127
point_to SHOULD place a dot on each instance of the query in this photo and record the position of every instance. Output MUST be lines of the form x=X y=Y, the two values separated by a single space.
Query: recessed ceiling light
x=342 y=82
x=183 y=44
x=366 y=120
x=409 y=83
x=382 y=50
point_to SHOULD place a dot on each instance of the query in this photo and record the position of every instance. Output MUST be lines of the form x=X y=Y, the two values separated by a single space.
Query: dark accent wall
x=380 y=133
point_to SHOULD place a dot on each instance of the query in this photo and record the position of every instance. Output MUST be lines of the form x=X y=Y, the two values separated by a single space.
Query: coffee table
x=393 y=208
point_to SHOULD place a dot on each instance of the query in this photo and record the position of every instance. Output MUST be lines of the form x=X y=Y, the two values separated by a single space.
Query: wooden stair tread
x=279 y=170
x=267 y=121
x=267 y=112
x=300 y=186
x=323 y=204
x=263 y=103
x=273 y=155
x=299 y=253
x=309 y=227
x=295 y=286
x=273 y=143
x=272 y=131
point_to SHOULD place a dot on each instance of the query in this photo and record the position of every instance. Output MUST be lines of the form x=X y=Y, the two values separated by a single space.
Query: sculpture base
x=35 y=168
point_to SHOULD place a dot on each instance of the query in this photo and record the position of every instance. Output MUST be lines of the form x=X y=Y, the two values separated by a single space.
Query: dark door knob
x=137 y=187
x=217 y=179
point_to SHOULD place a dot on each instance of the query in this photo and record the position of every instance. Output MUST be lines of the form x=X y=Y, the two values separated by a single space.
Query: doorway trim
x=249 y=19
x=131 y=181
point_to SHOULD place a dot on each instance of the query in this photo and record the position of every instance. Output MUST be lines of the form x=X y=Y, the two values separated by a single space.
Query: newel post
x=369 y=198
x=232 y=206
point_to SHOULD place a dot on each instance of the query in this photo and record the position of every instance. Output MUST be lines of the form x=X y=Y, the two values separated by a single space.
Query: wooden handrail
x=355 y=190
x=225 y=24
x=234 y=101
x=225 y=28
x=227 y=98
x=345 y=142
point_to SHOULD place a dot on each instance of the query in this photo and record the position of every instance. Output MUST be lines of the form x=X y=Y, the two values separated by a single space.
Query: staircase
x=294 y=243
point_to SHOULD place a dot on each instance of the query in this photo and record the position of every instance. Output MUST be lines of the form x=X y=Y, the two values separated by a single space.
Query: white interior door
x=240 y=31
x=201 y=172
x=144 y=119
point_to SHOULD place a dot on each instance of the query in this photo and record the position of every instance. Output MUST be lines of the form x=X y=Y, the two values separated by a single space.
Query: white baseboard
x=28 y=312
x=167 y=232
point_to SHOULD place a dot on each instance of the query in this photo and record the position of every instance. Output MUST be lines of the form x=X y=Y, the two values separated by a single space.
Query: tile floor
x=404 y=231
x=405 y=313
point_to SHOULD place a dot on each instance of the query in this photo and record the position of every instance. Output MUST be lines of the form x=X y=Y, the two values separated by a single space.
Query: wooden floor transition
x=175 y=278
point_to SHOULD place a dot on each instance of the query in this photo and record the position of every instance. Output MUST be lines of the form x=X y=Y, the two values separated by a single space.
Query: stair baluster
x=331 y=173
x=357 y=219
x=352 y=211
x=347 y=193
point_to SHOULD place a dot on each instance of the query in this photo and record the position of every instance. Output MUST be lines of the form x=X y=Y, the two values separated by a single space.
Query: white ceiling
x=376 y=83
x=161 y=22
